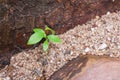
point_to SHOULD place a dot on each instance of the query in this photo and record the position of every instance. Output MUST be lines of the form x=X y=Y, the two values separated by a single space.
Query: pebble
x=37 y=71
x=108 y=39
x=108 y=13
x=84 y=53
x=113 y=0
x=7 y=78
x=97 y=17
x=71 y=52
x=92 y=29
x=118 y=46
x=103 y=46
x=87 y=49
x=44 y=62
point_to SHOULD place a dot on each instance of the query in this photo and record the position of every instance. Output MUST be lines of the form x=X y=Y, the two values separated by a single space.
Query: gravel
x=100 y=36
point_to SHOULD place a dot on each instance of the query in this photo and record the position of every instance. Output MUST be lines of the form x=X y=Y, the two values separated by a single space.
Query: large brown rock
x=89 y=68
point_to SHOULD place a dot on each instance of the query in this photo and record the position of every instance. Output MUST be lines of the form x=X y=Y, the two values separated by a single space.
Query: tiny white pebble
x=108 y=38
x=108 y=13
x=84 y=53
x=111 y=55
x=113 y=0
x=51 y=61
x=92 y=29
x=71 y=52
x=87 y=49
x=7 y=78
x=118 y=46
x=97 y=17
x=103 y=46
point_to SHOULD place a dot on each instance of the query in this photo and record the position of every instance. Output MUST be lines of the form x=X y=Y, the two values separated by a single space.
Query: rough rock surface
x=19 y=17
x=102 y=70
x=89 y=68
x=100 y=36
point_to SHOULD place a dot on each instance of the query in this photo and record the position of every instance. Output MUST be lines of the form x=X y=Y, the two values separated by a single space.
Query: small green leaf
x=47 y=28
x=40 y=31
x=45 y=45
x=54 y=38
x=36 y=37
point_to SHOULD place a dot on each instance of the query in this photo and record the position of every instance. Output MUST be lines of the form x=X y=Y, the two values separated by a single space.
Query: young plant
x=40 y=34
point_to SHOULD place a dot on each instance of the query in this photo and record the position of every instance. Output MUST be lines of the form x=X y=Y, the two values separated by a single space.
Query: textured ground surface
x=102 y=70
x=100 y=36
x=19 y=17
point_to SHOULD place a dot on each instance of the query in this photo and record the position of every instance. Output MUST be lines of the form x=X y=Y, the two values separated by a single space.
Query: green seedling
x=40 y=34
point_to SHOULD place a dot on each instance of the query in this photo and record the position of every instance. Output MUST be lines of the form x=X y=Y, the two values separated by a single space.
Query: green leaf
x=45 y=45
x=54 y=38
x=47 y=28
x=36 y=37
x=40 y=31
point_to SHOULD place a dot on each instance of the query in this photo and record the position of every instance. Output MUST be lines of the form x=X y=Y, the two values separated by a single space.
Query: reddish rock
x=89 y=68
x=103 y=69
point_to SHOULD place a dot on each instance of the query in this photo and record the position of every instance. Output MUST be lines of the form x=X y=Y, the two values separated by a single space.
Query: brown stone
x=89 y=68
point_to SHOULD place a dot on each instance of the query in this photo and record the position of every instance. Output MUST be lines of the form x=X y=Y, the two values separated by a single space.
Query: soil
x=100 y=36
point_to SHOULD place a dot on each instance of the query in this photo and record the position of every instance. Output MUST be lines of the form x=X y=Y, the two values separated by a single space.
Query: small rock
x=108 y=38
x=44 y=62
x=7 y=78
x=37 y=71
x=87 y=49
x=97 y=17
x=118 y=46
x=111 y=55
x=92 y=29
x=113 y=0
x=108 y=13
x=67 y=52
x=84 y=53
x=103 y=46
x=71 y=52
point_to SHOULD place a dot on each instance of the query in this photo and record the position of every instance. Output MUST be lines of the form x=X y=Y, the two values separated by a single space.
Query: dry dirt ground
x=100 y=36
